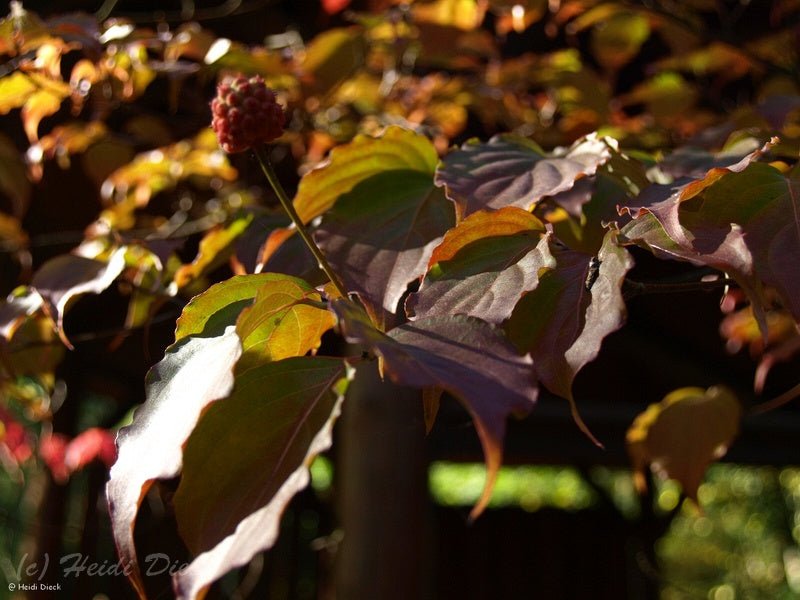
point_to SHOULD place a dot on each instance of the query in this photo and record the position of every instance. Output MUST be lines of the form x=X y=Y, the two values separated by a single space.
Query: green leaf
x=193 y=373
x=332 y=57
x=683 y=434
x=209 y=313
x=483 y=266
x=397 y=150
x=563 y=322
x=509 y=170
x=463 y=355
x=617 y=40
x=247 y=446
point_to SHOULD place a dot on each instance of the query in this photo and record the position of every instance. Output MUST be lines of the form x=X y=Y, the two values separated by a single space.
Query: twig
x=272 y=177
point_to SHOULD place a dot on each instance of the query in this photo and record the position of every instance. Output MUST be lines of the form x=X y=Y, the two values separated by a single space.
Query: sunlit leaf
x=286 y=319
x=463 y=355
x=215 y=248
x=272 y=433
x=512 y=171
x=194 y=372
x=683 y=434
x=483 y=266
x=349 y=165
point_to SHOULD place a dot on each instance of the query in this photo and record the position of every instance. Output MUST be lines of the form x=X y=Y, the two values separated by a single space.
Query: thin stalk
x=269 y=172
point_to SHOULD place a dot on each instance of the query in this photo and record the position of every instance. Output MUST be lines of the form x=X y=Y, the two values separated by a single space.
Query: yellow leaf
x=683 y=434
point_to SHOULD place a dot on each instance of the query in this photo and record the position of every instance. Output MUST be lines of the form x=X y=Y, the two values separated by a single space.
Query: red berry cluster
x=246 y=114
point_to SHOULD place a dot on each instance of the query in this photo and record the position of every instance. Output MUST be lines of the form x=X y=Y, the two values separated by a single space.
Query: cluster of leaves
x=484 y=268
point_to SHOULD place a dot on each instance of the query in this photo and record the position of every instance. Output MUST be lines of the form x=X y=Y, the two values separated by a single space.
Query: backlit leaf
x=483 y=266
x=683 y=434
x=332 y=57
x=215 y=248
x=210 y=313
x=463 y=355
x=285 y=319
x=397 y=149
x=563 y=322
x=278 y=418
x=512 y=171
x=617 y=40
x=64 y=277
x=194 y=372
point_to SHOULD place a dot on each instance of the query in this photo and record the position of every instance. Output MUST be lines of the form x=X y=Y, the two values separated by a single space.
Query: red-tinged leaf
x=15 y=441
x=745 y=223
x=92 y=444
x=52 y=451
x=379 y=236
x=397 y=150
x=193 y=373
x=483 y=266
x=286 y=319
x=563 y=322
x=683 y=434
x=247 y=457
x=67 y=276
x=334 y=6
x=510 y=170
x=463 y=355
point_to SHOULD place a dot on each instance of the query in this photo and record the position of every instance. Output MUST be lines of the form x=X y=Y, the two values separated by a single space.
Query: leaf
x=194 y=372
x=743 y=221
x=279 y=458
x=39 y=105
x=215 y=248
x=210 y=313
x=380 y=234
x=563 y=322
x=617 y=40
x=245 y=447
x=348 y=165
x=509 y=170
x=15 y=89
x=683 y=434
x=64 y=277
x=464 y=356
x=285 y=320
x=483 y=266
x=332 y=57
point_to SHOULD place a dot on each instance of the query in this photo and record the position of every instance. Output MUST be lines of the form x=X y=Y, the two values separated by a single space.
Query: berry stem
x=272 y=177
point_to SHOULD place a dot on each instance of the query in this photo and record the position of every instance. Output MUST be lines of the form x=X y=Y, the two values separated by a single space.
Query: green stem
x=266 y=166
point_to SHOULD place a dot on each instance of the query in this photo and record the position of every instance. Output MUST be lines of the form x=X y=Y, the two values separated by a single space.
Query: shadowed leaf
x=563 y=322
x=465 y=356
x=683 y=434
x=245 y=447
x=509 y=170
x=380 y=233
